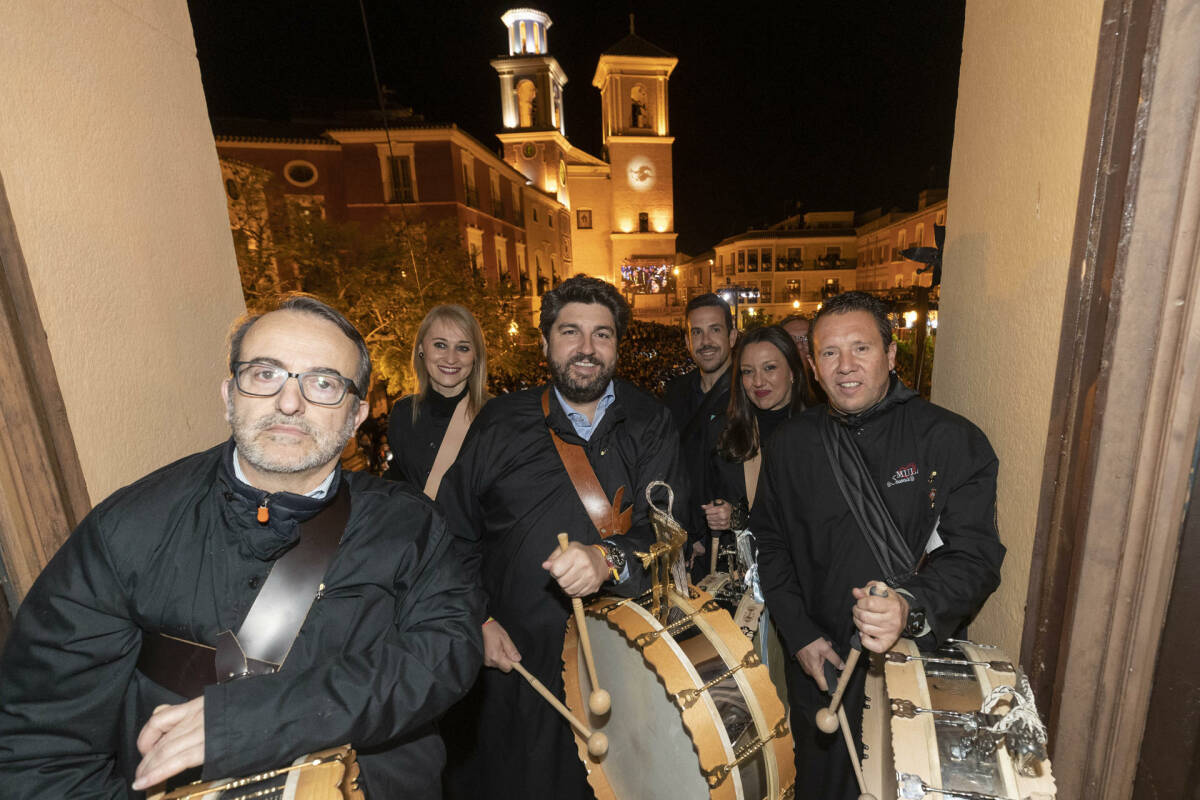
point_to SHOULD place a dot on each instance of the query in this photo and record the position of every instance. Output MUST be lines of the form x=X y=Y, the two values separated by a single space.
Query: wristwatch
x=615 y=557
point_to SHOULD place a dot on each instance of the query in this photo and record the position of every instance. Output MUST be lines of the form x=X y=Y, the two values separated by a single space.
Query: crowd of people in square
x=258 y=601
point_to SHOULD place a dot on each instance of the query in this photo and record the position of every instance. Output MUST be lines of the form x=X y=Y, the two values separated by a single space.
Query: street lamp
x=734 y=295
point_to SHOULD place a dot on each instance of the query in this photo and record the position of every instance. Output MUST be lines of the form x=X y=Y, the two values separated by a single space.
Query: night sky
x=841 y=104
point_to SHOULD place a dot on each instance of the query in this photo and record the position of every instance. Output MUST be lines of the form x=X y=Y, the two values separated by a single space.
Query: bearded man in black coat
x=936 y=478
x=510 y=495
x=388 y=641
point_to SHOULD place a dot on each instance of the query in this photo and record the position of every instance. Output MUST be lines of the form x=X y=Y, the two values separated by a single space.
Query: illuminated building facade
x=622 y=214
x=881 y=237
x=789 y=267
x=425 y=173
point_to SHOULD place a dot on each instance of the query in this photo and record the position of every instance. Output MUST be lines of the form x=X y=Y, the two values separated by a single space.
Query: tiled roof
x=634 y=45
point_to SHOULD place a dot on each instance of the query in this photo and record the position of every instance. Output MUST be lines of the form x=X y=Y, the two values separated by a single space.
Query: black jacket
x=932 y=467
x=415 y=444
x=390 y=644
x=699 y=416
x=727 y=479
x=509 y=496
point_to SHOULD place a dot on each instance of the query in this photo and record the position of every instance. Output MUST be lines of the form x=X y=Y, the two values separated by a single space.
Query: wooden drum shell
x=667 y=666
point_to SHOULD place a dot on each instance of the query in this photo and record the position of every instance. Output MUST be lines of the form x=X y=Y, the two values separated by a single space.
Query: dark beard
x=576 y=391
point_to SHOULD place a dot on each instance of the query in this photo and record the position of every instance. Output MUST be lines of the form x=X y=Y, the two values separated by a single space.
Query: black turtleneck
x=415 y=444
x=769 y=420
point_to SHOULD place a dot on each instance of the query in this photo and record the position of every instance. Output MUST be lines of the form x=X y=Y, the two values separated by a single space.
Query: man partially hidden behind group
x=921 y=471
x=510 y=493
x=390 y=640
x=698 y=399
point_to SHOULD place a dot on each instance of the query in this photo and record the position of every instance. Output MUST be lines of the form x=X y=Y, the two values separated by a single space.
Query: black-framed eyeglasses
x=266 y=380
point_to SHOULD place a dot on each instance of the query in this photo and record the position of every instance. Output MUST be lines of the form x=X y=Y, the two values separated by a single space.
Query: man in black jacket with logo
x=510 y=494
x=936 y=475
x=389 y=640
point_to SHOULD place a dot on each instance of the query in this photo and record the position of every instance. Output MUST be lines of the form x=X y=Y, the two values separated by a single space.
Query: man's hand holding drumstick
x=580 y=571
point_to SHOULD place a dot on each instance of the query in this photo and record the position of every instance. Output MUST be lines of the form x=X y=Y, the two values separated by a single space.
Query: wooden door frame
x=42 y=490
x=1126 y=405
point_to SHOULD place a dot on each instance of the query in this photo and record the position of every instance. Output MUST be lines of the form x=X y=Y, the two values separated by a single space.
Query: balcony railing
x=796 y=264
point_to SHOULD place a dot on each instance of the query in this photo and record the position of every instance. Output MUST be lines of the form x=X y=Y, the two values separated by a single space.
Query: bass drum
x=694 y=713
x=926 y=732
x=754 y=620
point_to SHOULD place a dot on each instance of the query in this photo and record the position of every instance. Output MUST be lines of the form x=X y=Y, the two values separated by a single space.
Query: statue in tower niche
x=639 y=118
x=526 y=98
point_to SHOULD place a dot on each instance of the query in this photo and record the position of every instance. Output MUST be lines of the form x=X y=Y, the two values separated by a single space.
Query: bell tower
x=531 y=102
x=632 y=78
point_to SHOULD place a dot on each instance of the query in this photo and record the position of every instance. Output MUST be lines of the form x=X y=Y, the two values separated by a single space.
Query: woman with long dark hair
x=426 y=429
x=768 y=386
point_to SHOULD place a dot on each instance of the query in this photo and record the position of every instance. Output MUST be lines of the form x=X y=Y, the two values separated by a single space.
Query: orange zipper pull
x=263 y=513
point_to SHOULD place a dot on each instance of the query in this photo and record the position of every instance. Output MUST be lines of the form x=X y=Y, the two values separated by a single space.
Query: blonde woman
x=426 y=429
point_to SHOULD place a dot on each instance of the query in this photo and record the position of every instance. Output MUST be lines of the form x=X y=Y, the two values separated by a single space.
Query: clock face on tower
x=641 y=173
x=528 y=150
x=562 y=172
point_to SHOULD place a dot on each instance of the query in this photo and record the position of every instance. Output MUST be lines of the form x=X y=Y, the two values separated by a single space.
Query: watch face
x=641 y=173
x=529 y=150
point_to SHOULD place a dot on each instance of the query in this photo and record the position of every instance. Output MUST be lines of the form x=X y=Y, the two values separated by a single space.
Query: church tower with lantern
x=531 y=102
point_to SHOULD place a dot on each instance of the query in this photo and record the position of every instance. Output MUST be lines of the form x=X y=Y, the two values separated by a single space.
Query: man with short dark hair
x=94 y=701
x=920 y=525
x=697 y=400
x=510 y=493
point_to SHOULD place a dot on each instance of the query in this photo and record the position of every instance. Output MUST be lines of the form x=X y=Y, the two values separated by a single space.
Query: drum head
x=686 y=701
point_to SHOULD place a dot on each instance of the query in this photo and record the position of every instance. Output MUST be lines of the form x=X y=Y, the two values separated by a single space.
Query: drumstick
x=597 y=743
x=862 y=786
x=716 y=541
x=599 y=701
x=826 y=717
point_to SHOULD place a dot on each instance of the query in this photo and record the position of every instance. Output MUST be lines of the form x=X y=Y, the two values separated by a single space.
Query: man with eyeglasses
x=798 y=327
x=389 y=639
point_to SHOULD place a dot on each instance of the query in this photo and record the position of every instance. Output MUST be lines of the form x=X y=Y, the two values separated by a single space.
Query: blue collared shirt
x=579 y=421
x=315 y=494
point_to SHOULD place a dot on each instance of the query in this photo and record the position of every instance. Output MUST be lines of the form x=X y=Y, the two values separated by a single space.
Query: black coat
x=415 y=445
x=391 y=643
x=932 y=467
x=699 y=416
x=509 y=495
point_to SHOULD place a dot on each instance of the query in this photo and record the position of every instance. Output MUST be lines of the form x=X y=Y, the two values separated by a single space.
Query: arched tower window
x=526 y=102
x=639 y=116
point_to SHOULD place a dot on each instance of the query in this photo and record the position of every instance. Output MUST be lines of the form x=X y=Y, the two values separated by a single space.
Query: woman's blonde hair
x=462 y=319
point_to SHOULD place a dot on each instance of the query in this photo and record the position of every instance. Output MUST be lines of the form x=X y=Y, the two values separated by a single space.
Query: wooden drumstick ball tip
x=597 y=744
x=599 y=702
x=827 y=721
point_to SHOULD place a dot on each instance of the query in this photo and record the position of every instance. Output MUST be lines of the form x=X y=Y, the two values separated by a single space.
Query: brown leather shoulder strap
x=274 y=620
x=607 y=516
x=270 y=627
x=452 y=442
